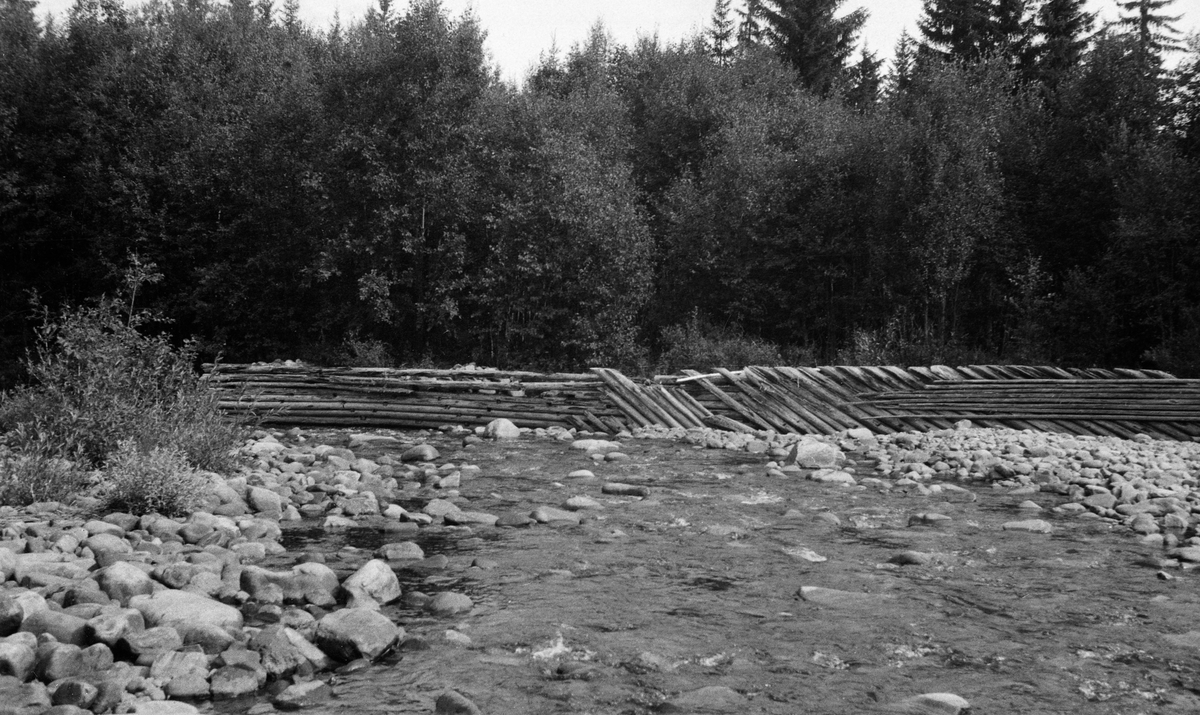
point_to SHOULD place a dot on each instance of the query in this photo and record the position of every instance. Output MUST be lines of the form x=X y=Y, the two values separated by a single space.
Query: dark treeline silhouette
x=1017 y=185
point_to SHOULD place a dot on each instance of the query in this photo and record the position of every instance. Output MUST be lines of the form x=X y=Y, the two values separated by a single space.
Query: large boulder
x=65 y=627
x=501 y=429
x=18 y=655
x=357 y=633
x=812 y=454
x=170 y=607
x=372 y=585
x=122 y=581
x=111 y=625
x=266 y=502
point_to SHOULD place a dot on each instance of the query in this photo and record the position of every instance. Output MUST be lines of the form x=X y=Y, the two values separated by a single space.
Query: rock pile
x=1147 y=485
x=115 y=614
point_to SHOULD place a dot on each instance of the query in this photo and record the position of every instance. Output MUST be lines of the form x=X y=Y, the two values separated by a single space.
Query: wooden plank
x=760 y=405
x=776 y=385
x=635 y=395
x=730 y=402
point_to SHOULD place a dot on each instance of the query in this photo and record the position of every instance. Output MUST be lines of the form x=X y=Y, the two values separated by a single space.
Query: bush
x=698 y=345
x=160 y=480
x=98 y=380
x=37 y=475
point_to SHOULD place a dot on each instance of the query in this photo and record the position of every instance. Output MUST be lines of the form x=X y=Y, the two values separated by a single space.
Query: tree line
x=1018 y=184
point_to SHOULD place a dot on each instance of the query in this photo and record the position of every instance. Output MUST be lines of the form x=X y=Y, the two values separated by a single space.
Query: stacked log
x=1117 y=407
x=413 y=398
x=813 y=400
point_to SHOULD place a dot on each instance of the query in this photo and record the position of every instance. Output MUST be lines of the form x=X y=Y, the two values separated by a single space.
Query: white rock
x=375 y=580
x=502 y=429
x=169 y=606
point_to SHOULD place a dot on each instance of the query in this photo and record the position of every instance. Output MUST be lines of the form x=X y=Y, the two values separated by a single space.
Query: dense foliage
x=1013 y=189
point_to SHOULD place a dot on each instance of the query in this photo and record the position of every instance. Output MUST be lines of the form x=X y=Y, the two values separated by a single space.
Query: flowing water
x=648 y=601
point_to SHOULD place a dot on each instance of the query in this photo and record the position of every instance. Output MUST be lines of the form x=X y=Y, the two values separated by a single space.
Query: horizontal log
x=1027 y=416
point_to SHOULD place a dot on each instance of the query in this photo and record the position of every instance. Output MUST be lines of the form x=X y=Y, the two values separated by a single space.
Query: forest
x=1018 y=184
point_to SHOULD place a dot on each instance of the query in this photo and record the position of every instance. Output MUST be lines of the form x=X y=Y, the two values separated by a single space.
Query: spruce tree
x=1009 y=29
x=750 y=29
x=809 y=36
x=1155 y=31
x=971 y=29
x=904 y=64
x=865 y=81
x=955 y=29
x=720 y=36
x=1062 y=31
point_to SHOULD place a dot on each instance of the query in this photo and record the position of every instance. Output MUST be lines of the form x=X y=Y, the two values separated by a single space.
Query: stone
x=439 y=507
x=400 y=551
x=361 y=504
x=20 y=697
x=932 y=704
x=928 y=519
x=17 y=658
x=911 y=558
x=307 y=649
x=420 y=453
x=1032 y=526
x=150 y=642
x=1100 y=500
x=278 y=656
x=172 y=665
x=710 y=699
x=449 y=603
x=10 y=616
x=356 y=633
x=58 y=660
x=839 y=599
x=110 y=626
x=169 y=607
x=302 y=695
x=808 y=454
x=122 y=581
x=164 y=707
x=211 y=638
x=625 y=490
x=76 y=692
x=467 y=518
x=376 y=581
x=514 y=520
x=63 y=626
x=233 y=681
x=1029 y=505
x=97 y=657
x=189 y=686
x=502 y=429
x=1186 y=553
x=548 y=514
x=596 y=446
x=108 y=548
x=578 y=503
x=452 y=702
x=1144 y=524
x=335 y=522
x=582 y=474
x=265 y=502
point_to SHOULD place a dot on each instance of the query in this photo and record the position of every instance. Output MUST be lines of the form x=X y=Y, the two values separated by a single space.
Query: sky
x=519 y=30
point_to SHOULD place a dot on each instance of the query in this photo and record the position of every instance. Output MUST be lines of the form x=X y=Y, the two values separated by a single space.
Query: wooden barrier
x=820 y=400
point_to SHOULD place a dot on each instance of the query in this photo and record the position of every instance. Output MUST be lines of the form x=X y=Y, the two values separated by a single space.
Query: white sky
x=518 y=30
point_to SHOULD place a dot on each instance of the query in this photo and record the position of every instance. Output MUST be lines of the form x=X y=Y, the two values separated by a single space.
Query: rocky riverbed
x=665 y=571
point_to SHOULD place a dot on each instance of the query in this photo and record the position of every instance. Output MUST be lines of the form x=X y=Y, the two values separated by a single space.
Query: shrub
x=160 y=480
x=36 y=475
x=98 y=380
x=699 y=345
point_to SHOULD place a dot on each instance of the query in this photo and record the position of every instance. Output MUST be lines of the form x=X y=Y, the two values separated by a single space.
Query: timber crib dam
x=807 y=400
